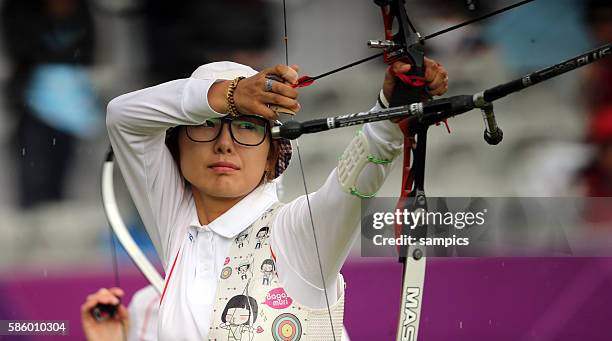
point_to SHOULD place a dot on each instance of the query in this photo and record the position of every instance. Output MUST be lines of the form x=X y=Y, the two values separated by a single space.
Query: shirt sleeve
x=137 y=124
x=336 y=217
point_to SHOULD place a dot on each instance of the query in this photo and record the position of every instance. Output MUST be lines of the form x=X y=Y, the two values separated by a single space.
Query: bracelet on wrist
x=229 y=97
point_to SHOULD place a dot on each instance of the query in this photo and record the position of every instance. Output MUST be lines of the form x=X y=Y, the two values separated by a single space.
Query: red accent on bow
x=415 y=81
x=446 y=124
x=407 y=178
x=412 y=80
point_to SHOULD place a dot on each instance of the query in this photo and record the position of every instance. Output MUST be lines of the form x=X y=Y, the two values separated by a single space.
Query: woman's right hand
x=251 y=97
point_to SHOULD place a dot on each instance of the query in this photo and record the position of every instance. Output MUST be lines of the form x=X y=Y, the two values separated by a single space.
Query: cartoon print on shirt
x=243 y=237
x=267 y=269
x=266 y=213
x=226 y=272
x=244 y=268
x=261 y=236
x=238 y=317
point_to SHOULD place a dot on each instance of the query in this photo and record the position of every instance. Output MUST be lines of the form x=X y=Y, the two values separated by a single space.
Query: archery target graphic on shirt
x=226 y=272
x=286 y=327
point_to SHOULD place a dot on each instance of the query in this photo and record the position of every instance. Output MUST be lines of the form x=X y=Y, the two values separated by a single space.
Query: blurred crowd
x=57 y=54
x=49 y=45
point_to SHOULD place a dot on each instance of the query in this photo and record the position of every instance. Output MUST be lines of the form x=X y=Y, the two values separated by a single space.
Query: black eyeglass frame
x=228 y=119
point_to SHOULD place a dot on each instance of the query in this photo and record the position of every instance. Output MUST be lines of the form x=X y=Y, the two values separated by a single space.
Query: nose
x=224 y=143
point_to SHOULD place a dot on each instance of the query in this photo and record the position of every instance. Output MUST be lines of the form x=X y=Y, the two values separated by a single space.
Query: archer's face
x=223 y=168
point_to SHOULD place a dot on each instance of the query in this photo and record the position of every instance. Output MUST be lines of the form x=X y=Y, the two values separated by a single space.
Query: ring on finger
x=269 y=83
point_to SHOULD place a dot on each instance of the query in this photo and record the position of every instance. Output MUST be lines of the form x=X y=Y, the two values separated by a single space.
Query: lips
x=224 y=167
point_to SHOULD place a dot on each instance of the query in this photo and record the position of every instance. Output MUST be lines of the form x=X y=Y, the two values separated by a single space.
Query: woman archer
x=199 y=162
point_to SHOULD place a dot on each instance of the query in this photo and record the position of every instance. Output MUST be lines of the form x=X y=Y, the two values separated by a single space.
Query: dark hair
x=241 y=301
x=265 y=229
x=172 y=138
x=270 y=262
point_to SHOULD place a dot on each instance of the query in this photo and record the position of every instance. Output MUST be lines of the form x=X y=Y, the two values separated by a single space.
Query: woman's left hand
x=436 y=77
x=111 y=329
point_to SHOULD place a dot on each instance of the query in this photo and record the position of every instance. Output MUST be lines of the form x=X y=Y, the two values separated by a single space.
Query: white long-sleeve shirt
x=137 y=122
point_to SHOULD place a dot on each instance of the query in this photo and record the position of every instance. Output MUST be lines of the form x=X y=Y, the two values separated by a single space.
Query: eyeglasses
x=247 y=130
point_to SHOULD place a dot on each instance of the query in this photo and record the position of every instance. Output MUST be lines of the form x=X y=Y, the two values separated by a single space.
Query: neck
x=210 y=208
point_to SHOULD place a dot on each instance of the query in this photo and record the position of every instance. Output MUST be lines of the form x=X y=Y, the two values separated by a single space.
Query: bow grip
x=409 y=88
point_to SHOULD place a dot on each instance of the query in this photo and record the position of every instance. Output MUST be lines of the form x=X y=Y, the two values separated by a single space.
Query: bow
x=118 y=228
x=410 y=102
x=404 y=45
x=121 y=231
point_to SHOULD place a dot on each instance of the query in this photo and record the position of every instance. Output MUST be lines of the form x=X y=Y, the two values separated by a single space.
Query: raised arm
x=335 y=213
x=137 y=124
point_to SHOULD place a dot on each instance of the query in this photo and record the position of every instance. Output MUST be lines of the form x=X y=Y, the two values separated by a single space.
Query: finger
x=264 y=111
x=437 y=82
x=103 y=291
x=431 y=68
x=116 y=291
x=296 y=68
x=441 y=90
x=400 y=67
x=122 y=313
x=284 y=90
x=105 y=296
x=272 y=98
x=431 y=72
x=288 y=74
x=441 y=83
x=93 y=299
x=274 y=72
x=87 y=306
x=111 y=300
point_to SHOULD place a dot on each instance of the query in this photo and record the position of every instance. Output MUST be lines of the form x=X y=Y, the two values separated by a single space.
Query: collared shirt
x=193 y=254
